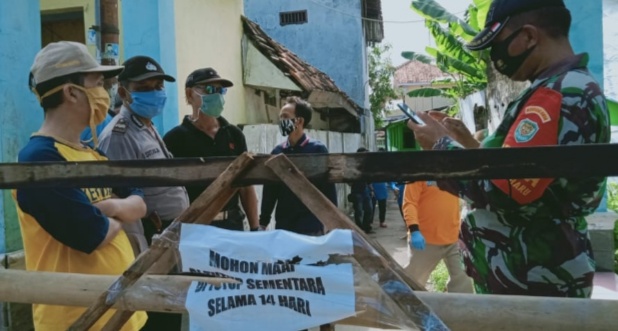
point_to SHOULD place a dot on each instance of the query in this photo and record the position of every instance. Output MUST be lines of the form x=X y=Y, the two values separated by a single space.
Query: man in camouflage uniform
x=529 y=236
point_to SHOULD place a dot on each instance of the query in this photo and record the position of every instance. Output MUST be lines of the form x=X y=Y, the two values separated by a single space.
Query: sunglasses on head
x=209 y=89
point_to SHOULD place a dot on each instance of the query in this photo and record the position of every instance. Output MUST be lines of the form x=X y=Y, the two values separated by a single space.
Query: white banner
x=277 y=290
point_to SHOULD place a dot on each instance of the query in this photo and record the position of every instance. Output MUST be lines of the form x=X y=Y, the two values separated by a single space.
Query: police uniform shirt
x=186 y=140
x=127 y=138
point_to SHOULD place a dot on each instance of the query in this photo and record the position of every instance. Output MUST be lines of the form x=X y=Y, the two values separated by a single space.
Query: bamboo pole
x=202 y=211
x=380 y=263
x=461 y=312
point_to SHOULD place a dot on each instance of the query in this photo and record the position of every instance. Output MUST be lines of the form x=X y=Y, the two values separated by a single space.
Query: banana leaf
x=427 y=92
x=449 y=44
x=473 y=18
x=431 y=10
x=482 y=7
x=417 y=57
x=457 y=66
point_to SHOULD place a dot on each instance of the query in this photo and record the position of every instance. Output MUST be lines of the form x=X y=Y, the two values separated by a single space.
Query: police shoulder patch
x=120 y=126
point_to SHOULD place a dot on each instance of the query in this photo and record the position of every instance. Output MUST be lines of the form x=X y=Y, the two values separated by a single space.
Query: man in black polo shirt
x=206 y=133
x=291 y=214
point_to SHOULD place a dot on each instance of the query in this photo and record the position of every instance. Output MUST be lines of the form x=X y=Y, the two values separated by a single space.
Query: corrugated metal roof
x=374 y=27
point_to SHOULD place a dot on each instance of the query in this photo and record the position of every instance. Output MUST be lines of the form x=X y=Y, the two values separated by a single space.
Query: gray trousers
x=422 y=263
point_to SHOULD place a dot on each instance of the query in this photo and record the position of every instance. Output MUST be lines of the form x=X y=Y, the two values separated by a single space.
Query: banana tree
x=466 y=70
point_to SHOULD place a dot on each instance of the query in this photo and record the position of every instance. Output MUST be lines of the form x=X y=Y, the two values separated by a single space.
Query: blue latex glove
x=417 y=241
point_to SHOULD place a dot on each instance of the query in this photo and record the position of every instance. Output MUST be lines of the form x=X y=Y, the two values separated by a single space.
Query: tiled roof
x=417 y=72
x=300 y=72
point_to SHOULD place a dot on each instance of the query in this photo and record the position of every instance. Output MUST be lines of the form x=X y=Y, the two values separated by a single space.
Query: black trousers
x=362 y=211
x=382 y=208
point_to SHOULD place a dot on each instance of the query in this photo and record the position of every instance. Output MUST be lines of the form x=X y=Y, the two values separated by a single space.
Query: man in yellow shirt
x=70 y=229
x=432 y=217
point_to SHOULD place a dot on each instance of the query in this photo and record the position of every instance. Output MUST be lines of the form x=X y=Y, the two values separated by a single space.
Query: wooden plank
x=368 y=252
x=563 y=161
x=201 y=211
x=462 y=312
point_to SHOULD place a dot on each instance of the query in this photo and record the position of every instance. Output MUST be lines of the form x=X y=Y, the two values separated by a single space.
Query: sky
x=410 y=36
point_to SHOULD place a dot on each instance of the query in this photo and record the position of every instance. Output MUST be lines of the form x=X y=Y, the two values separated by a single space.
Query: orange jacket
x=436 y=212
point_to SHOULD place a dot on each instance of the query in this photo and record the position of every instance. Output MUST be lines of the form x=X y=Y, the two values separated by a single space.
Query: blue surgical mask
x=148 y=104
x=212 y=104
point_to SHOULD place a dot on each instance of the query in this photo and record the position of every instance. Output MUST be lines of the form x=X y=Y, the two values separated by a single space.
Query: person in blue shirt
x=291 y=214
x=380 y=194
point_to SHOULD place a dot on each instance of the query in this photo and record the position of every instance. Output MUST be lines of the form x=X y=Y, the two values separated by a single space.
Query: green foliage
x=467 y=69
x=612 y=196
x=417 y=57
x=432 y=11
x=439 y=277
x=616 y=246
x=381 y=72
x=612 y=203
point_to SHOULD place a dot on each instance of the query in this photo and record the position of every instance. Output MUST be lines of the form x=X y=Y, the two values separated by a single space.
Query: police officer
x=132 y=136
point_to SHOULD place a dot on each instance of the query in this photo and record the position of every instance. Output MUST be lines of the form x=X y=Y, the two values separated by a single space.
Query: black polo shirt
x=186 y=140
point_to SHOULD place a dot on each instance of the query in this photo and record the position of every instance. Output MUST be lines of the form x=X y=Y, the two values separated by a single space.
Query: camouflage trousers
x=541 y=257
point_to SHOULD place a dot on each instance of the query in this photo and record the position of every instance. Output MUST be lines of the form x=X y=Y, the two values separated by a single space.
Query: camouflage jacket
x=529 y=236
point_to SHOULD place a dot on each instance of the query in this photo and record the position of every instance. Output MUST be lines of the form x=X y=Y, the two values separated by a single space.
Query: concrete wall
x=332 y=40
x=208 y=34
x=21 y=115
x=149 y=29
x=587 y=36
x=587 y=33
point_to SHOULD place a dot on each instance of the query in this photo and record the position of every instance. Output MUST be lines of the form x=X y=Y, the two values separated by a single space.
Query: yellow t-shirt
x=62 y=230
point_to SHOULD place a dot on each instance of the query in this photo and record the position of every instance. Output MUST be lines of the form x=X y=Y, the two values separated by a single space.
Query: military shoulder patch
x=536 y=125
x=121 y=126
x=539 y=111
x=526 y=130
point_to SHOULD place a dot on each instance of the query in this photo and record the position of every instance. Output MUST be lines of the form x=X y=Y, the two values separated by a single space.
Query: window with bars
x=293 y=17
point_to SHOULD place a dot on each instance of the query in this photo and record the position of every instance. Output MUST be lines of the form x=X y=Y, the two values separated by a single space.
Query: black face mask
x=287 y=126
x=505 y=63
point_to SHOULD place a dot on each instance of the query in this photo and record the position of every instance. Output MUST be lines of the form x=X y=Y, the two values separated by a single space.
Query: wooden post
x=461 y=312
x=207 y=205
x=389 y=271
x=581 y=161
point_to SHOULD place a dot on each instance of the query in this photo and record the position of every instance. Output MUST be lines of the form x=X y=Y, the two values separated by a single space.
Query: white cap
x=64 y=58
